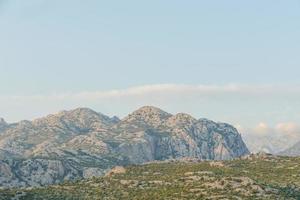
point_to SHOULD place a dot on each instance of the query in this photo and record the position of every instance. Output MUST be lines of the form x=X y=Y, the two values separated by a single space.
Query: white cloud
x=284 y=129
x=262 y=129
x=167 y=89
x=233 y=103
x=288 y=128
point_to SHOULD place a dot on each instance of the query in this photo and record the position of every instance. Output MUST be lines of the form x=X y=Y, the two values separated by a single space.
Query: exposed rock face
x=82 y=143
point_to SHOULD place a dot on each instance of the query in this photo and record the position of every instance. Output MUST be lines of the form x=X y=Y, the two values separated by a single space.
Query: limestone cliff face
x=82 y=143
x=167 y=136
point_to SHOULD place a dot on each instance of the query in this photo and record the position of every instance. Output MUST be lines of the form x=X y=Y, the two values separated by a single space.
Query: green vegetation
x=254 y=177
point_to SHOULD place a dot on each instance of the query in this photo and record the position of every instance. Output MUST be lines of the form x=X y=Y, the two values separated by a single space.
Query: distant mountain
x=268 y=143
x=292 y=151
x=82 y=143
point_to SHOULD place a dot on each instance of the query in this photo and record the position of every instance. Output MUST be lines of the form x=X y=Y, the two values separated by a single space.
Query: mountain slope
x=83 y=143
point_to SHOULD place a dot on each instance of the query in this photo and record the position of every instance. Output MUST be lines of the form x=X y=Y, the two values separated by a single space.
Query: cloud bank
x=233 y=103
x=284 y=129
x=169 y=89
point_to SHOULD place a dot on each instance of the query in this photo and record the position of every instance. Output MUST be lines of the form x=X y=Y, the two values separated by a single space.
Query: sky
x=233 y=61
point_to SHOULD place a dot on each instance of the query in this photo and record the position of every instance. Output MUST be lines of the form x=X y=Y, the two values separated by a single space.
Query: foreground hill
x=82 y=143
x=252 y=177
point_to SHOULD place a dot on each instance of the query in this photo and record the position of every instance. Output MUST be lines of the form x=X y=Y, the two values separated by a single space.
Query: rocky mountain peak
x=115 y=119
x=79 y=117
x=148 y=114
x=150 y=110
x=82 y=110
x=78 y=113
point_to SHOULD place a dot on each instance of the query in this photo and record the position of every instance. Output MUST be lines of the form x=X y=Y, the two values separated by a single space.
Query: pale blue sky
x=72 y=46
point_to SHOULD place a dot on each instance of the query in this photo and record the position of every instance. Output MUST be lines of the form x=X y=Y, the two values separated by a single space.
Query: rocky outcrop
x=82 y=143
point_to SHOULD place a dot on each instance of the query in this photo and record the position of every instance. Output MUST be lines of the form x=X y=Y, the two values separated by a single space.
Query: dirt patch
x=115 y=170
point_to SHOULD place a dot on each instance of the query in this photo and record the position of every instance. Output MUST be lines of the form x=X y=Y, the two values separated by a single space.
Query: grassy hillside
x=254 y=177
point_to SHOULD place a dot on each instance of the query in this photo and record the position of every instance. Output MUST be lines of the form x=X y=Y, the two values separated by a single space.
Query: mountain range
x=273 y=144
x=292 y=151
x=82 y=143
